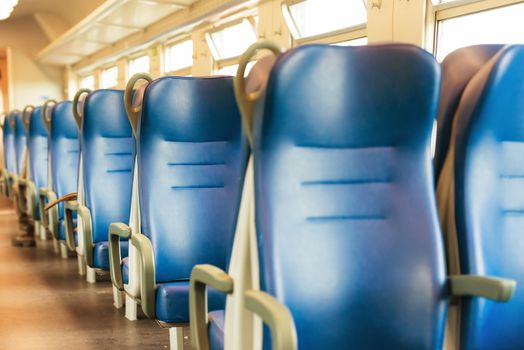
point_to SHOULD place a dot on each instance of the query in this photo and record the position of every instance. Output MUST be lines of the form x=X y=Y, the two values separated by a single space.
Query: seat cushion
x=172 y=301
x=216 y=330
x=101 y=254
x=125 y=270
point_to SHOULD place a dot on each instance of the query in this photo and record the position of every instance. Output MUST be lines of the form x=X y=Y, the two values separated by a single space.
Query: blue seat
x=191 y=162
x=20 y=141
x=64 y=155
x=108 y=153
x=457 y=70
x=350 y=248
x=37 y=143
x=9 y=154
x=488 y=196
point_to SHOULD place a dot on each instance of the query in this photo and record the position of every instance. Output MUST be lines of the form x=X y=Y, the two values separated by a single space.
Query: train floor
x=45 y=304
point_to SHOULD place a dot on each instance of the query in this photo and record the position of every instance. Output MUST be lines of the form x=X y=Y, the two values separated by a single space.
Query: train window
x=232 y=41
x=109 y=77
x=88 y=82
x=232 y=69
x=317 y=17
x=353 y=42
x=138 y=65
x=498 y=25
x=178 y=56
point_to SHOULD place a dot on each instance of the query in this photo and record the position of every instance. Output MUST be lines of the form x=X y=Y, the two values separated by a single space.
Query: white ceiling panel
x=139 y=14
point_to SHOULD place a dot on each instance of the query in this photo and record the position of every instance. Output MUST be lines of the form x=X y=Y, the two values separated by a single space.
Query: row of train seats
x=311 y=181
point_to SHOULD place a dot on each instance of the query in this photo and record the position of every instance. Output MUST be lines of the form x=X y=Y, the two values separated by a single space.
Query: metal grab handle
x=26 y=115
x=246 y=101
x=11 y=117
x=133 y=112
x=78 y=116
x=49 y=105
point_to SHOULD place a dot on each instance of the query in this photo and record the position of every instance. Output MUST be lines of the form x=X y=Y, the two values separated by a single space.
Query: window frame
x=136 y=56
x=344 y=34
x=186 y=71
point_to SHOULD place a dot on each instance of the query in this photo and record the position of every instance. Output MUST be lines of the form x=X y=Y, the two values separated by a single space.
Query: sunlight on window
x=232 y=70
x=315 y=17
x=138 y=65
x=354 y=42
x=178 y=56
x=88 y=82
x=231 y=41
x=499 y=26
x=109 y=77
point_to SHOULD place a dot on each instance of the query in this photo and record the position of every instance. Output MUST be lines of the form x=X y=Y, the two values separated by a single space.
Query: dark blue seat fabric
x=9 y=146
x=216 y=321
x=125 y=270
x=20 y=141
x=457 y=70
x=101 y=254
x=173 y=301
x=346 y=219
x=64 y=150
x=37 y=144
x=108 y=153
x=192 y=158
x=489 y=197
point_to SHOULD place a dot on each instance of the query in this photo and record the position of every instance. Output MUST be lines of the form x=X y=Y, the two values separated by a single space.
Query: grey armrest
x=201 y=277
x=147 y=273
x=494 y=288
x=48 y=196
x=276 y=316
x=85 y=216
x=116 y=231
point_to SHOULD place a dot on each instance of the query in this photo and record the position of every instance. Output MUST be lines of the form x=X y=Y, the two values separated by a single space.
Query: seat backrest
x=64 y=150
x=9 y=145
x=457 y=70
x=108 y=153
x=346 y=218
x=38 y=153
x=191 y=161
x=489 y=196
x=20 y=141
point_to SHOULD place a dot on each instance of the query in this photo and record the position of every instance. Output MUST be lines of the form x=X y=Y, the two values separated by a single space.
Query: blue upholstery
x=20 y=140
x=38 y=153
x=457 y=70
x=192 y=158
x=125 y=270
x=64 y=150
x=101 y=254
x=108 y=153
x=9 y=146
x=216 y=330
x=346 y=218
x=489 y=197
x=173 y=301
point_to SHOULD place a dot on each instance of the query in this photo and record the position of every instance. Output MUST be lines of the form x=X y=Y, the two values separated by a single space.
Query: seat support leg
x=118 y=298
x=63 y=250
x=91 y=274
x=176 y=338
x=56 y=246
x=131 y=308
x=81 y=265
x=43 y=232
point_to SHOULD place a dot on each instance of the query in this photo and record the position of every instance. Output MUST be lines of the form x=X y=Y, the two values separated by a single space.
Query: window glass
x=109 y=77
x=232 y=69
x=178 y=56
x=497 y=26
x=231 y=41
x=138 y=65
x=315 y=17
x=354 y=42
x=88 y=82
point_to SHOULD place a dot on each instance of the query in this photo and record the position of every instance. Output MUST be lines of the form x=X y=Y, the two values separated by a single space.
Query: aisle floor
x=45 y=304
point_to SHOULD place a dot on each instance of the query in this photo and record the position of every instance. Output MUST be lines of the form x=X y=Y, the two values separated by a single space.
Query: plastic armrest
x=31 y=199
x=42 y=200
x=117 y=230
x=201 y=277
x=276 y=316
x=48 y=196
x=85 y=216
x=494 y=288
x=147 y=273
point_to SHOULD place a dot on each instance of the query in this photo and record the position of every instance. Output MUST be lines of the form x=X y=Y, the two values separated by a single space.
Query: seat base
x=24 y=241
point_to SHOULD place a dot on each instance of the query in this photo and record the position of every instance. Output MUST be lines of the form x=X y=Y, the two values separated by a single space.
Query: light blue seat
x=351 y=252
x=108 y=153
x=64 y=152
x=191 y=162
x=488 y=201
x=457 y=70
